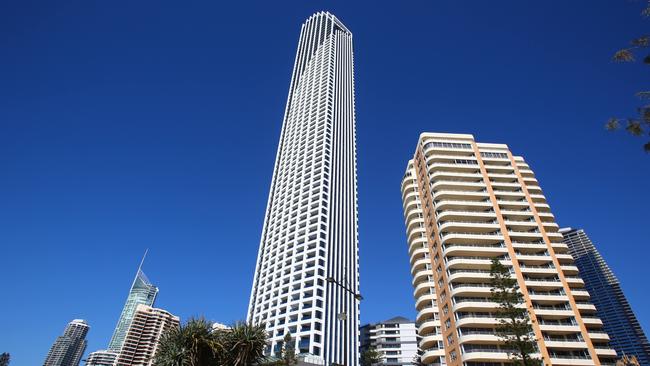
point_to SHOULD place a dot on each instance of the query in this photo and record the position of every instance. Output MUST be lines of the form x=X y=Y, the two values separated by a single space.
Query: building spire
x=143 y=257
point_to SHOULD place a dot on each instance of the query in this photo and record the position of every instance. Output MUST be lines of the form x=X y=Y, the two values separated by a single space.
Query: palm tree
x=191 y=344
x=243 y=345
x=4 y=359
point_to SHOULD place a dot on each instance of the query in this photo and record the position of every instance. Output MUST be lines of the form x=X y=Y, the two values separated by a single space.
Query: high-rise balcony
x=446 y=175
x=569 y=270
x=473 y=262
x=456 y=184
x=420 y=264
x=476 y=319
x=428 y=326
x=458 y=237
x=598 y=336
x=456 y=214
x=485 y=354
x=424 y=300
x=463 y=205
x=489 y=250
x=609 y=352
x=422 y=276
x=423 y=288
x=426 y=313
x=474 y=226
x=466 y=274
x=592 y=321
x=456 y=194
x=417 y=243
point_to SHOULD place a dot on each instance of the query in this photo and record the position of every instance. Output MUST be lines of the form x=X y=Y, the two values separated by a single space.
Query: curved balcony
x=420 y=265
x=427 y=326
x=424 y=300
x=426 y=313
x=417 y=244
x=431 y=355
x=419 y=253
x=423 y=287
x=430 y=341
x=421 y=276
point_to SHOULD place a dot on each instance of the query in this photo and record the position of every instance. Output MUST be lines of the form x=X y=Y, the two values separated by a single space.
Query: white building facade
x=395 y=339
x=310 y=225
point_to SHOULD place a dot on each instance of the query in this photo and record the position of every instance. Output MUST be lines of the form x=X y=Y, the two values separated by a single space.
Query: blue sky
x=132 y=125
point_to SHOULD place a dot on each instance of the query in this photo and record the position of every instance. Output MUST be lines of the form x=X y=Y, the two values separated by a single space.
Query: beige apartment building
x=464 y=204
x=144 y=333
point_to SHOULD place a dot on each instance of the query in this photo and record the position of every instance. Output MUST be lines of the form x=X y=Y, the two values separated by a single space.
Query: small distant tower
x=69 y=347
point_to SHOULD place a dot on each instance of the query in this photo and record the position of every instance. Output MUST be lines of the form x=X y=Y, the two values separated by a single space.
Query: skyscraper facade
x=395 y=339
x=310 y=226
x=142 y=292
x=69 y=347
x=466 y=203
x=619 y=321
x=143 y=336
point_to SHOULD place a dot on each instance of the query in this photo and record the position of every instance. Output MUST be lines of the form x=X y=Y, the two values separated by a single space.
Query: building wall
x=143 y=336
x=466 y=203
x=69 y=347
x=396 y=340
x=619 y=321
x=310 y=225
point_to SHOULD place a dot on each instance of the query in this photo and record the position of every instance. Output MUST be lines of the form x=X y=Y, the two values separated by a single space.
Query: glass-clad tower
x=625 y=332
x=308 y=252
x=142 y=292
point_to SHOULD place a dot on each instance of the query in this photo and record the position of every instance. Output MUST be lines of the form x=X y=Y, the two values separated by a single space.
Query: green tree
x=243 y=345
x=288 y=356
x=4 y=359
x=514 y=322
x=638 y=125
x=196 y=343
x=370 y=356
x=191 y=344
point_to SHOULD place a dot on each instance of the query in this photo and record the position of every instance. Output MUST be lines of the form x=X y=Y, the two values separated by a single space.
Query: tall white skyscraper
x=307 y=274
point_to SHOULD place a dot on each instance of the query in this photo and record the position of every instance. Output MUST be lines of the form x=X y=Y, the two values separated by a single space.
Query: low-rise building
x=395 y=339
